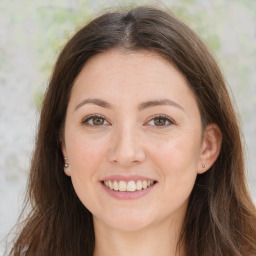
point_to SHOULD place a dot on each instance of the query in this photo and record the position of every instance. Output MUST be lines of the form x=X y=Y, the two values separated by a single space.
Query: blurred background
x=32 y=33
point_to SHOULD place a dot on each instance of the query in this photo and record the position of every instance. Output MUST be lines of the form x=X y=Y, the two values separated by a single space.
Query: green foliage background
x=51 y=23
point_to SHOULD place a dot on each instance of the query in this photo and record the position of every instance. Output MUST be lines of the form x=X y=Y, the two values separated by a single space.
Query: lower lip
x=128 y=195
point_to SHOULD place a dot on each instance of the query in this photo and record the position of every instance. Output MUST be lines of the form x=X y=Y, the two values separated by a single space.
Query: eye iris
x=98 y=121
x=160 y=121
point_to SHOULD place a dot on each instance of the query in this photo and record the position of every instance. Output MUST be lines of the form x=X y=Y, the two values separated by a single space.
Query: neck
x=156 y=240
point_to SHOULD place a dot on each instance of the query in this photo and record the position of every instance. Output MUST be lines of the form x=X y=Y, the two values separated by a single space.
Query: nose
x=126 y=149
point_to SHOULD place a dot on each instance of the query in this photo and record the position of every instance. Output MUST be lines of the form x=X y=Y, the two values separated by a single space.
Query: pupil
x=159 y=121
x=98 y=121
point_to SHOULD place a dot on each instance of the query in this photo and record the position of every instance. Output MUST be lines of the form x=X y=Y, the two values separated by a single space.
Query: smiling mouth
x=129 y=186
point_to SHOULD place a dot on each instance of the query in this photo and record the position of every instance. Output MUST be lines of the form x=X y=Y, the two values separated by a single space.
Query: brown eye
x=95 y=120
x=160 y=121
x=98 y=120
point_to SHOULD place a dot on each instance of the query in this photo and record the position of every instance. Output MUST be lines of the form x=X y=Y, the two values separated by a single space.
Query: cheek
x=177 y=155
x=176 y=162
x=85 y=153
x=86 y=157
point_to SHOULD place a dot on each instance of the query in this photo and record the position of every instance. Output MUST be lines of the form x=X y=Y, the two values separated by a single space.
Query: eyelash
x=88 y=118
x=161 y=116
x=164 y=117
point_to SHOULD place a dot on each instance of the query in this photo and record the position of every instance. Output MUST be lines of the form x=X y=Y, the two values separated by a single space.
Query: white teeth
x=144 y=184
x=122 y=186
x=115 y=185
x=139 y=185
x=130 y=186
x=110 y=185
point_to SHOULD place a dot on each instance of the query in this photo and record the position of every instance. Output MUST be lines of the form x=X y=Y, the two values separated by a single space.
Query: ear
x=64 y=152
x=211 y=147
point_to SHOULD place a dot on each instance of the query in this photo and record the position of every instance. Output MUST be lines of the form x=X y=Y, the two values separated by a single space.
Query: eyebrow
x=98 y=102
x=161 y=102
x=142 y=106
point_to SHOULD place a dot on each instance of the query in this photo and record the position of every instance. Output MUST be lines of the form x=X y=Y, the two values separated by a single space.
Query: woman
x=138 y=149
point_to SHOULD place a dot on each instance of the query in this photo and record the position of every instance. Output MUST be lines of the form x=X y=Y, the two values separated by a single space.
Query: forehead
x=129 y=75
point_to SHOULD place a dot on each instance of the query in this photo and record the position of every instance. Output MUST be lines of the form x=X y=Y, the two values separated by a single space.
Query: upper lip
x=126 y=178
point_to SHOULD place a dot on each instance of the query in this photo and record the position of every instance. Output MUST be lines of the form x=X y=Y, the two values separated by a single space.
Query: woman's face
x=132 y=123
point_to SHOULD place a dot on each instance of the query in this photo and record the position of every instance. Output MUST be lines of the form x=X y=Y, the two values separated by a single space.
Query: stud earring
x=203 y=165
x=66 y=164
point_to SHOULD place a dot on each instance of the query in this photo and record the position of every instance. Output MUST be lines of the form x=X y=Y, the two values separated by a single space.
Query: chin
x=126 y=221
x=130 y=225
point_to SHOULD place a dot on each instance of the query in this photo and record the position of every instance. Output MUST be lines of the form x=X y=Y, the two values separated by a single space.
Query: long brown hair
x=220 y=218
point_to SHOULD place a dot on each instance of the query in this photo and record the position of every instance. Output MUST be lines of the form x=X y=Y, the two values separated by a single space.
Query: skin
x=130 y=141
